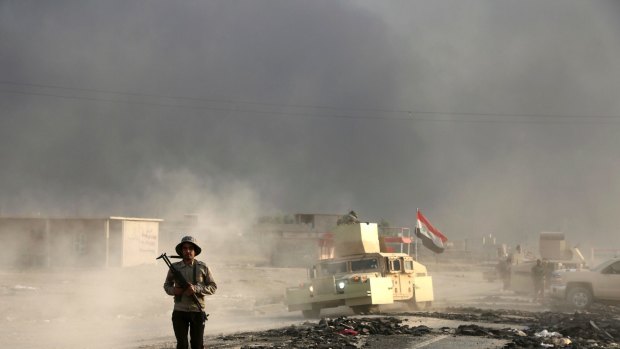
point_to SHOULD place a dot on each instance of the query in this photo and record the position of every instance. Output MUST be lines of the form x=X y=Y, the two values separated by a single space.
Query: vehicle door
x=406 y=282
x=608 y=282
x=395 y=266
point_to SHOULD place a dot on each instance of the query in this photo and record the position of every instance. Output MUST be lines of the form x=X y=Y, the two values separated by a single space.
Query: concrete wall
x=318 y=222
x=140 y=242
x=77 y=242
x=23 y=242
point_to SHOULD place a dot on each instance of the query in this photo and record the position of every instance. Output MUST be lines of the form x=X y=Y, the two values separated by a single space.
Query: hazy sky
x=497 y=117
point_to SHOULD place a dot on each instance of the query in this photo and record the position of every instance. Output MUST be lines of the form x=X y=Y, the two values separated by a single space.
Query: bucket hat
x=192 y=241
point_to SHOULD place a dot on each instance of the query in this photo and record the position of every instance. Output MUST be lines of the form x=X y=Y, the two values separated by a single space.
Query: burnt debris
x=341 y=332
x=599 y=328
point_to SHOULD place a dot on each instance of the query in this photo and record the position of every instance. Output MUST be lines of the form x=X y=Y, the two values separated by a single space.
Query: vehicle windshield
x=333 y=268
x=364 y=264
x=601 y=266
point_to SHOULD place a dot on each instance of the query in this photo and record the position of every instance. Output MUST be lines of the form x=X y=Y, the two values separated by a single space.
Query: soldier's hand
x=190 y=290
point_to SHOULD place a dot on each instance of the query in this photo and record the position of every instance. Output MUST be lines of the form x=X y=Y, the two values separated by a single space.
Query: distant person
x=186 y=314
x=504 y=269
x=538 y=277
x=548 y=267
x=349 y=218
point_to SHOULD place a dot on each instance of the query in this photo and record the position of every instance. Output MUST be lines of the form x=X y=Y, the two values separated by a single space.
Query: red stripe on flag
x=430 y=227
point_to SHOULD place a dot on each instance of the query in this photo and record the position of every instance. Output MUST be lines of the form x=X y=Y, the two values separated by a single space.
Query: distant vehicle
x=361 y=276
x=581 y=288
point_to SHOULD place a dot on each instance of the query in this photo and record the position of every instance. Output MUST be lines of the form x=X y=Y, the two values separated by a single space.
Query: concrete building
x=78 y=242
x=297 y=240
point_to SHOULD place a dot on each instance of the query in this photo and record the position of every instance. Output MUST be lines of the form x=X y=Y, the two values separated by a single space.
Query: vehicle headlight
x=311 y=289
x=340 y=286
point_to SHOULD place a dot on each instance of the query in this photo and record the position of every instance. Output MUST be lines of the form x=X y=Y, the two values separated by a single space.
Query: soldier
x=349 y=218
x=187 y=315
x=548 y=267
x=538 y=276
x=504 y=269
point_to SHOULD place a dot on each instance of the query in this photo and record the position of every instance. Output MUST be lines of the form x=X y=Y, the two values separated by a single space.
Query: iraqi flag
x=431 y=237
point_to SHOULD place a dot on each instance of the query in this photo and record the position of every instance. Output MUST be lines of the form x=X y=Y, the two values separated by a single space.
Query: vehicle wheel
x=579 y=297
x=311 y=313
x=366 y=309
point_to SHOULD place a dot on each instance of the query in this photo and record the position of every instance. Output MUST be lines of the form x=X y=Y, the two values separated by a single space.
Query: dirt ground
x=127 y=308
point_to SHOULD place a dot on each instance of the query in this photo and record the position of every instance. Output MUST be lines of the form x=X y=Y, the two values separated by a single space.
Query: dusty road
x=127 y=308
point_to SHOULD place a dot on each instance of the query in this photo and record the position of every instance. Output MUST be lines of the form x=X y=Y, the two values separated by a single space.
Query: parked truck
x=361 y=276
x=580 y=288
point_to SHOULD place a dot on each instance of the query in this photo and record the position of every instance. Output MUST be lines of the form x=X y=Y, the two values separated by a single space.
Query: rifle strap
x=177 y=299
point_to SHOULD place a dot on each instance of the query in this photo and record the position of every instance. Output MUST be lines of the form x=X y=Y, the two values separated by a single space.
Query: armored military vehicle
x=361 y=276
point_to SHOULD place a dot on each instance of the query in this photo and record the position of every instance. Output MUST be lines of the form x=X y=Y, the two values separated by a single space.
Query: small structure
x=553 y=245
x=78 y=242
x=295 y=241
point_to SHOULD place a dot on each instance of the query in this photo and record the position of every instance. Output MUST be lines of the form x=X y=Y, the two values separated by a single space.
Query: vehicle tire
x=579 y=297
x=311 y=313
x=366 y=309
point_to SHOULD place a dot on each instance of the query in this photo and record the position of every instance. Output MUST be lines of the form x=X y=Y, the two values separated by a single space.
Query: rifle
x=182 y=282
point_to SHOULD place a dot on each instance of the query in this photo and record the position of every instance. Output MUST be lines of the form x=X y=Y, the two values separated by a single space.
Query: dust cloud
x=493 y=117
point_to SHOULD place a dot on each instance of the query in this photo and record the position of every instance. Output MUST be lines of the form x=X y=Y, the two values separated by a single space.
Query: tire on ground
x=579 y=297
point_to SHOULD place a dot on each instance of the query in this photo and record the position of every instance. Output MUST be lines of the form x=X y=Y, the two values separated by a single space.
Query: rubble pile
x=341 y=332
x=598 y=328
x=594 y=329
x=584 y=329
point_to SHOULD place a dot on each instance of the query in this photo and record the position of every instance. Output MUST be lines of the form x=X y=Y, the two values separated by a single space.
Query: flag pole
x=415 y=245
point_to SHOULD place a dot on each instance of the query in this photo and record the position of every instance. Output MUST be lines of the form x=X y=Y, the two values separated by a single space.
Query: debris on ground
x=597 y=328
x=539 y=330
x=341 y=332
